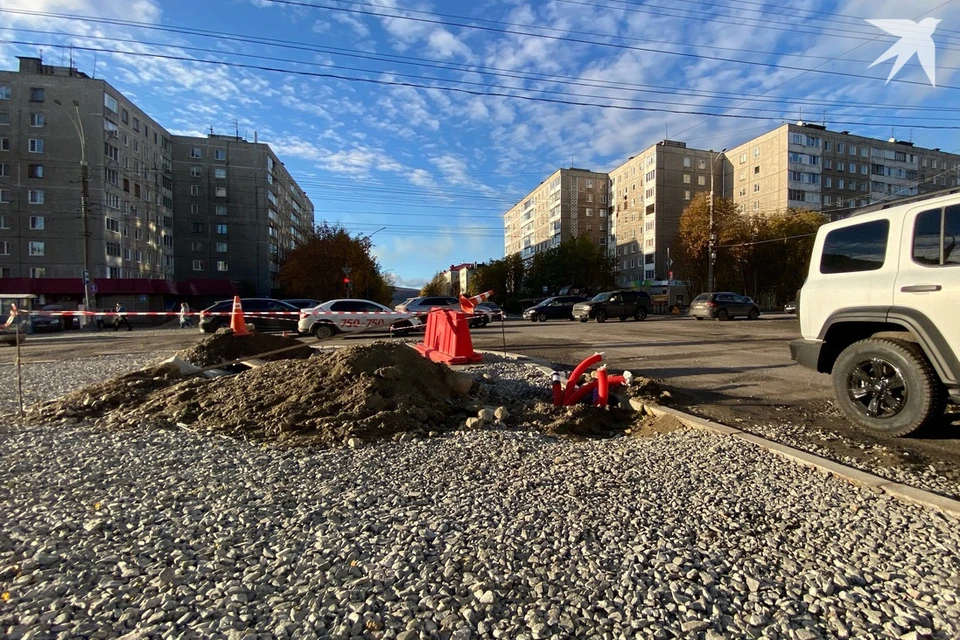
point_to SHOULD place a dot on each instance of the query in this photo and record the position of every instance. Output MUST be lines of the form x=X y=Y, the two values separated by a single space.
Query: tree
x=576 y=261
x=314 y=269
x=692 y=262
x=438 y=286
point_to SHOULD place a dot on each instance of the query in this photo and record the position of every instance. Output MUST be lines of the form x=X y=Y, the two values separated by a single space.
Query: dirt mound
x=223 y=346
x=367 y=392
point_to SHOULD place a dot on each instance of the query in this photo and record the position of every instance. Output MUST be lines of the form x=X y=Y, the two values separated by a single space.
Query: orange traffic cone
x=469 y=304
x=236 y=319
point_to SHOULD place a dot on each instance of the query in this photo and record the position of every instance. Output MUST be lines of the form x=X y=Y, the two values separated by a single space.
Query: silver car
x=423 y=305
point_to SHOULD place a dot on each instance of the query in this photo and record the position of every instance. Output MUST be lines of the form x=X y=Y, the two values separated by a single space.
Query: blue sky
x=384 y=110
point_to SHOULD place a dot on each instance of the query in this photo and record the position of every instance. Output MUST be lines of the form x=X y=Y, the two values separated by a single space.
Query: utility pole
x=711 y=240
x=84 y=200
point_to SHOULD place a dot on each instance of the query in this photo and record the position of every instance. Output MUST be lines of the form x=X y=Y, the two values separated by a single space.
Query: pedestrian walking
x=121 y=318
x=185 y=322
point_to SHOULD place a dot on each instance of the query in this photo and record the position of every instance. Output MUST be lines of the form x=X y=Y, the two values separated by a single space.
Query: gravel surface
x=49 y=380
x=503 y=534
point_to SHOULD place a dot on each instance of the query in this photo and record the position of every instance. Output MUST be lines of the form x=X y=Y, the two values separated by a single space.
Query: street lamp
x=84 y=198
x=711 y=242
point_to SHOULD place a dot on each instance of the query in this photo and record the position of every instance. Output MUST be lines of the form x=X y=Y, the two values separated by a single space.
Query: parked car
x=790 y=307
x=421 y=306
x=303 y=303
x=723 y=306
x=210 y=323
x=496 y=313
x=104 y=318
x=48 y=322
x=621 y=304
x=344 y=316
x=556 y=308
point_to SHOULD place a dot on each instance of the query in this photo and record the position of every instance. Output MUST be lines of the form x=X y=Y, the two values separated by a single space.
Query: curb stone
x=876 y=484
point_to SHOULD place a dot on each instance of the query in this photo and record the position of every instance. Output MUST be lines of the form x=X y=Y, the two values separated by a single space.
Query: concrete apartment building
x=129 y=213
x=807 y=166
x=570 y=203
x=648 y=193
x=237 y=212
x=457 y=278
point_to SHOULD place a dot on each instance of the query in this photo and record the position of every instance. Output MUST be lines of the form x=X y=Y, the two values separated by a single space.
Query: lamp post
x=84 y=199
x=711 y=241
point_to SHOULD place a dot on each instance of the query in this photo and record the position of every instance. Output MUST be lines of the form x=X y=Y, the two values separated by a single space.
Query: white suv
x=880 y=312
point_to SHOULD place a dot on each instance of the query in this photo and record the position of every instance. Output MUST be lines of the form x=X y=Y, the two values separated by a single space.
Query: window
x=221 y=192
x=195 y=190
x=126 y=254
x=4 y=117
x=864 y=169
x=853 y=167
x=139 y=256
x=756 y=187
x=124 y=116
x=195 y=172
x=4 y=144
x=35 y=145
x=196 y=152
x=860 y=247
x=221 y=247
x=828 y=182
x=743 y=158
x=36 y=120
x=743 y=191
x=196 y=208
x=4 y=92
x=222 y=229
x=33 y=170
x=221 y=210
x=36 y=223
x=111 y=103
x=37 y=249
x=840 y=147
x=827 y=145
x=35 y=196
x=756 y=170
x=686 y=195
x=38 y=272
x=36 y=94
x=828 y=164
x=112 y=225
x=221 y=265
x=220 y=154
x=197 y=227
x=840 y=165
x=935 y=237
x=864 y=152
x=840 y=183
x=686 y=178
x=198 y=265
x=5 y=248
x=4 y=198
x=112 y=176
x=111 y=151
x=687 y=162
x=588 y=211
x=4 y=170
x=113 y=249
x=853 y=149
x=701 y=180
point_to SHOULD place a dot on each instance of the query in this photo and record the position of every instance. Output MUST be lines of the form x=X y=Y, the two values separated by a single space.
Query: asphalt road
x=736 y=372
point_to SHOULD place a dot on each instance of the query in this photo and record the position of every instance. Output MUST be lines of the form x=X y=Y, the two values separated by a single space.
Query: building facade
x=127 y=224
x=457 y=278
x=237 y=212
x=648 y=194
x=807 y=166
x=570 y=203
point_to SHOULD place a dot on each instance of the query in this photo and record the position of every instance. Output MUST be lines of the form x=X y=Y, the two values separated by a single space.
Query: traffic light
x=346 y=281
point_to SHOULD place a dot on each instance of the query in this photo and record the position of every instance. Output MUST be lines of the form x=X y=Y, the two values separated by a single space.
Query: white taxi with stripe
x=347 y=315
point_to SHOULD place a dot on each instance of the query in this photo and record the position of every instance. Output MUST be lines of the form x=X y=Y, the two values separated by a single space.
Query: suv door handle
x=921 y=288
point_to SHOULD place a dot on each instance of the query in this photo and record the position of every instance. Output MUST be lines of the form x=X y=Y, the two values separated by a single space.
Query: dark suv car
x=286 y=322
x=621 y=304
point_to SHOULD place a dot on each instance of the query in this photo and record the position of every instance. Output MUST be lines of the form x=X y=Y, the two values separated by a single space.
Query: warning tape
x=255 y=314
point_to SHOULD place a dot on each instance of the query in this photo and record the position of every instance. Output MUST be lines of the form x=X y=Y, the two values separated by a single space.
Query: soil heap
x=223 y=346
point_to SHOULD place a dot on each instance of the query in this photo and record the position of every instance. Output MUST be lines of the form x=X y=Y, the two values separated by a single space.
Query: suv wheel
x=754 y=314
x=541 y=317
x=640 y=315
x=887 y=386
x=322 y=331
x=722 y=315
x=601 y=316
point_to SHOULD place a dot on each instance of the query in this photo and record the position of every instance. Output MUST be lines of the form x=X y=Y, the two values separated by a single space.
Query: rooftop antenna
x=236 y=128
x=666 y=132
x=911 y=134
x=94 y=65
x=61 y=56
x=211 y=129
x=824 y=117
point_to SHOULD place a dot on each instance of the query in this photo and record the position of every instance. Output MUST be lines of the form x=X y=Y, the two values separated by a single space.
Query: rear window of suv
x=935 y=237
x=861 y=247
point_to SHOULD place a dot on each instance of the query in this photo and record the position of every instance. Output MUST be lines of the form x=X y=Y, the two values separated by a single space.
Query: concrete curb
x=874 y=483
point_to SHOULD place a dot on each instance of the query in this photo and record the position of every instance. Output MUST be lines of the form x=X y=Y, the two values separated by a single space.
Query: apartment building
x=457 y=278
x=237 y=212
x=51 y=120
x=648 y=194
x=807 y=166
x=570 y=203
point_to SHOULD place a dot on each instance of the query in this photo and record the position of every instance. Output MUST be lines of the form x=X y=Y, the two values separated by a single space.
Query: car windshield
x=703 y=297
x=601 y=297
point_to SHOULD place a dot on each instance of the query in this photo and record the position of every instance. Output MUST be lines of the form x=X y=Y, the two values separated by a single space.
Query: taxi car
x=348 y=315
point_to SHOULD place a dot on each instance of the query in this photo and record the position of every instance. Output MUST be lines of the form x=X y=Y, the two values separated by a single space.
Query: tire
x=640 y=315
x=541 y=317
x=887 y=386
x=484 y=321
x=323 y=331
x=601 y=316
x=754 y=314
x=583 y=319
x=698 y=318
x=723 y=315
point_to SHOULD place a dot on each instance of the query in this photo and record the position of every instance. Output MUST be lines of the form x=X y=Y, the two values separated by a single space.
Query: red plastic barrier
x=557 y=389
x=447 y=338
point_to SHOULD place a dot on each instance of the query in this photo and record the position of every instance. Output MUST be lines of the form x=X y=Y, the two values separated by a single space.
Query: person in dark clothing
x=121 y=318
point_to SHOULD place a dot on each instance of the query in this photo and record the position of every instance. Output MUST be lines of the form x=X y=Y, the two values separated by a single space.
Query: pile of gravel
x=509 y=534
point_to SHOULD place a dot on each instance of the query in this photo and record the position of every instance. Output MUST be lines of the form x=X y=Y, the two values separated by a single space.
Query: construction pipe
x=603 y=389
x=557 y=389
x=582 y=392
x=577 y=372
